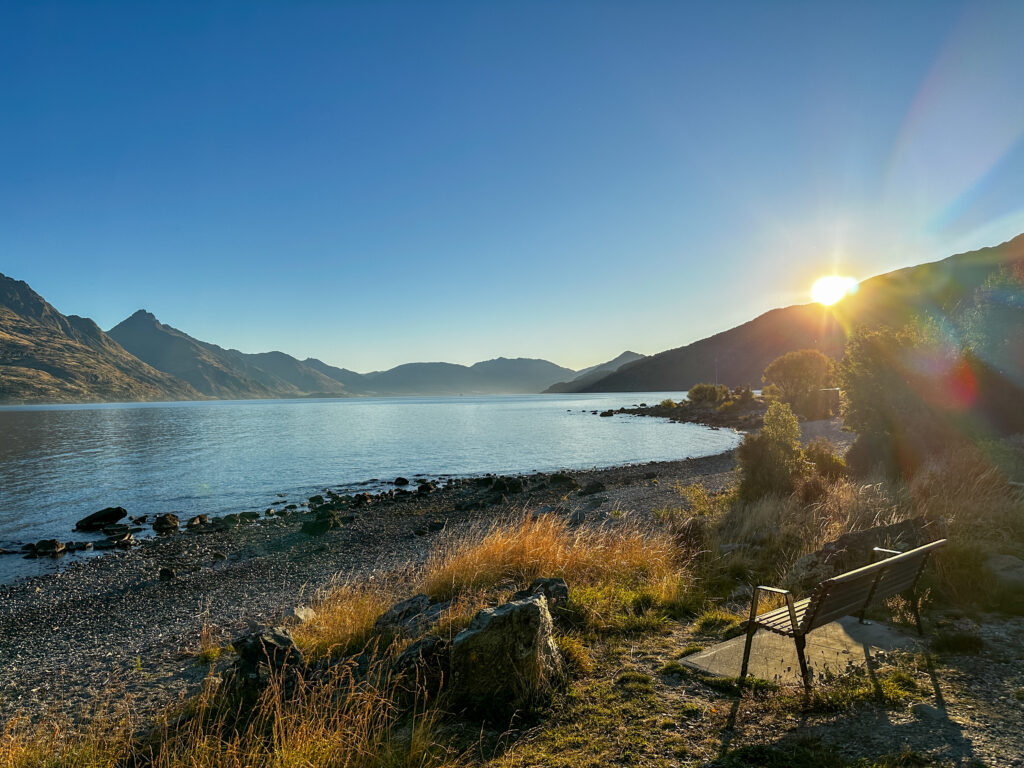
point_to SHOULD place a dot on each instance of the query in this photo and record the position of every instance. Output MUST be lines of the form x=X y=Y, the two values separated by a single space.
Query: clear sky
x=374 y=183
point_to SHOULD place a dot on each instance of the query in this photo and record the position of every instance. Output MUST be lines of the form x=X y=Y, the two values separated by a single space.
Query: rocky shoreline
x=128 y=624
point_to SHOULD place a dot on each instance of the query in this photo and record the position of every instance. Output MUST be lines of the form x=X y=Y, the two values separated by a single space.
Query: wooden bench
x=847 y=594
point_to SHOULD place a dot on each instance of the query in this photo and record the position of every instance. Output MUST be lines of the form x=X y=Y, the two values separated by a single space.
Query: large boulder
x=97 y=520
x=422 y=667
x=853 y=550
x=506 y=660
x=264 y=653
x=410 y=617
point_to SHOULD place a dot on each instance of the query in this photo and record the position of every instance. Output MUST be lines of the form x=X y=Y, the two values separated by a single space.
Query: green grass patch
x=715 y=621
x=672 y=668
x=689 y=650
x=634 y=683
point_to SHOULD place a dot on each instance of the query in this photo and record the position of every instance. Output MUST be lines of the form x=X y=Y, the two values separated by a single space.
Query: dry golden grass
x=340 y=720
x=344 y=620
x=515 y=553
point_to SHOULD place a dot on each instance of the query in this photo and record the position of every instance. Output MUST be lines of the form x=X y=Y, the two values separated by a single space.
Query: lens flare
x=828 y=290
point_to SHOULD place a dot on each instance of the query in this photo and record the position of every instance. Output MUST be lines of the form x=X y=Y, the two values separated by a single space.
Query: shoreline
x=110 y=623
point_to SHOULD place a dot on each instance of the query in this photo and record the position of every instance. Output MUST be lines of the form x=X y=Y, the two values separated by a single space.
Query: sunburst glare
x=830 y=289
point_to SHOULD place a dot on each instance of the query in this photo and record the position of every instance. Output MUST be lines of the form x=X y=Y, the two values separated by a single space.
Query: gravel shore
x=106 y=628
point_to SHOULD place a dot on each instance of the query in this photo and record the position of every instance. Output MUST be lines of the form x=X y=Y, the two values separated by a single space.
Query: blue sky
x=374 y=183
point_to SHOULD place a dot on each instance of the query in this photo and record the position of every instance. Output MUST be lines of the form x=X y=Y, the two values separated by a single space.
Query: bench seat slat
x=777 y=620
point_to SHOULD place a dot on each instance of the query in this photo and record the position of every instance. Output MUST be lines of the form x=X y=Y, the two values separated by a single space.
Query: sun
x=828 y=290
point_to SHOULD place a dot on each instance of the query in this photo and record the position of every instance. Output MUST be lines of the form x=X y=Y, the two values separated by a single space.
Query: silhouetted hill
x=499 y=376
x=351 y=380
x=231 y=374
x=215 y=371
x=739 y=356
x=46 y=357
x=594 y=373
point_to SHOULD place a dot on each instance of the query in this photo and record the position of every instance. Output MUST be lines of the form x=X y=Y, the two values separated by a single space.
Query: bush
x=797 y=378
x=667 y=403
x=821 y=453
x=707 y=394
x=770 y=461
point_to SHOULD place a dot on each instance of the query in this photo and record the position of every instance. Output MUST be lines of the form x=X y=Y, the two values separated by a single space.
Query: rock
x=410 y=617
x=324 y=521
x=9 y=551
x=166 y=574
x=595 y=486
x=506 y=660
x=564 y=480
x=265 y=652
x=555 y=591
x=318 y=499
x=507 y=485
x=230 y=521
x=116 y=529
x=401 y=481
x=105 y=544
x=300 y=614
x=50 y=548
x=853 y=550
x=138 y=519
x=252 y=515
x=166 y=523
x=197 y=521
x=219 y=557
x=578 y=517
x=97 y=520
x=927 y=711
x=422 y=666
x=77 y=546
x=425 y=488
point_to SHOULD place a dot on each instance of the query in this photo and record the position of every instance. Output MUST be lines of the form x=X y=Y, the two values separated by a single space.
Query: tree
x=770 y=461
x=707 y=394
x=798 y=377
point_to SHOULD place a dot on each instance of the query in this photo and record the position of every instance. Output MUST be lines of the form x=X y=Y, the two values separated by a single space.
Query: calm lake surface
x=59 y=463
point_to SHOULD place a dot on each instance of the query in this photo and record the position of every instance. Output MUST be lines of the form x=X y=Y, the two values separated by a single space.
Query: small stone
x=166 y=574
x=300 y=614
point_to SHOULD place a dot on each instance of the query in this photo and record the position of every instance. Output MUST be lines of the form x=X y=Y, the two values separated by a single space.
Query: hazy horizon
x=377 y=184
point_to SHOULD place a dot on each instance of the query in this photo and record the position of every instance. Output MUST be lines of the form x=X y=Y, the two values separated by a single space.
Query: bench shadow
x=934 y=732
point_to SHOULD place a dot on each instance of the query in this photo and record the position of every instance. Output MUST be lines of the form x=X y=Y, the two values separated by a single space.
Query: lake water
x=59 y=463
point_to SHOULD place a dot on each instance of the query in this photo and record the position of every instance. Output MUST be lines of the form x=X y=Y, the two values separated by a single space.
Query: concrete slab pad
x=834 y=648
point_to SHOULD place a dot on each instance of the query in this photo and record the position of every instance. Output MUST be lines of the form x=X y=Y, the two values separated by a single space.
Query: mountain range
x=49 y=357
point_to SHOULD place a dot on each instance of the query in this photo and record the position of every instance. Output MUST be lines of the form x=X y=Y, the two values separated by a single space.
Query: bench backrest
x=850 y=592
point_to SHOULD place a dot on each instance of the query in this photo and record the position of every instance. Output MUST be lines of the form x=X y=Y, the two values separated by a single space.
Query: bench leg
x=800 y=645
x=751 y=631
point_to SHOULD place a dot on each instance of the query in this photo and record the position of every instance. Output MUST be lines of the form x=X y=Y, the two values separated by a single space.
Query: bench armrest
x=784 y=592
x=880 y=550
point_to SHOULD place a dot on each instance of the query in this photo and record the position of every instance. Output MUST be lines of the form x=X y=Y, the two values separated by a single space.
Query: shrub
x=769 y=461
x=667 y=403
x=707 y=394
x=821 y=453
